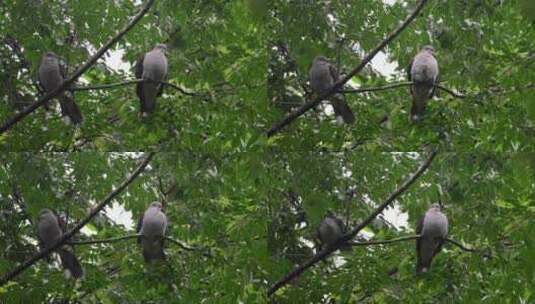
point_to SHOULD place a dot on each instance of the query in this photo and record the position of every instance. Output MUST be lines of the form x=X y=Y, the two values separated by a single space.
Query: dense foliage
x=249 y=203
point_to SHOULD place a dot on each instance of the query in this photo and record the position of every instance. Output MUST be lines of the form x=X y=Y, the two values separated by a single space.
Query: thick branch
x=339 y=84
x=326 y=251
x=69 y=81
x=400 y=239
x=10 y=275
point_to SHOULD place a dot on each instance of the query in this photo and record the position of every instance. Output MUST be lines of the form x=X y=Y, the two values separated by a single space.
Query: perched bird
x=50 y=229
x=433 y=230
x=423 y=72
x=322 y=76
x=51 y=75
x=330 y=230
x=151 y=67
x=152 y=227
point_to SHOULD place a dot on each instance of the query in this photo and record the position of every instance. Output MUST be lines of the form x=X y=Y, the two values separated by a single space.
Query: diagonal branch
x=339 y=84
x=347 y=237
x=454 y=242
x=41 y=254
x=12 y=121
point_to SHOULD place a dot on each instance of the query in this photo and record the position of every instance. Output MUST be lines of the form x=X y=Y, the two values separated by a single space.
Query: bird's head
x=156 y=204
x=429 y=48
x=321 y=59
x=436 y=206
x=162 y=47
x=45 y=212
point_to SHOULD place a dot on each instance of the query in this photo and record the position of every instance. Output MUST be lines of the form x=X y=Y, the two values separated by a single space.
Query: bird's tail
x=422 y=267
x=70 y=109
x=341 y=108
x=70 y=262
x=153 y=251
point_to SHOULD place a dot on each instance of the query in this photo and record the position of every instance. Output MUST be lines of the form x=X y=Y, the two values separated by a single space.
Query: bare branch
x=110 y=240
x=41 y=254
x=107 y=86
x=398 y=85
x=400 y=239
x=69 y=81
x=350 y=235
x=128 y=82
x=454 y=242
x=339 y=84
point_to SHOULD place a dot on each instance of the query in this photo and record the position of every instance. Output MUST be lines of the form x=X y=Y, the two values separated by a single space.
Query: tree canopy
x=247 y=160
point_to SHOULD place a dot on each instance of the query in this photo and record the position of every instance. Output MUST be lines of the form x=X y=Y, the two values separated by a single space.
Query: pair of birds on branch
x=422 y=71
x=151 y=228
x=432 y=228
x=151 y=67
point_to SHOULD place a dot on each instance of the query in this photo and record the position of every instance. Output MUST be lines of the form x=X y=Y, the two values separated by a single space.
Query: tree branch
x=339 y=84
x=347 y=237
x=12 y=121
x=400 y=239
x=110 y=240
x=454 y=242
x=131 y=236
x=41 y=254
x=401 y=84
x=107 y=86
x=128 y=82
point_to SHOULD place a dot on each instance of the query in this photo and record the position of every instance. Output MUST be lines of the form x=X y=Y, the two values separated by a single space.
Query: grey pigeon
x=330 y=230
x=151 y=67
x=322 y=76
x=433 y=228
x=423 y=71
x=152 y=229
x=51 y=75
x=50 y=230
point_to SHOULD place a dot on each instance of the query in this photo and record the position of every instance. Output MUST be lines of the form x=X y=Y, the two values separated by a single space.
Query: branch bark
x=41 y=254
x=350 y=235
x=12 y=121
x=338 y=85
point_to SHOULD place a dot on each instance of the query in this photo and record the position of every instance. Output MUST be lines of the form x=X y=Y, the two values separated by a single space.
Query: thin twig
x=69 y=81
x=107 y=86
x=187 y=247
x=400 y=239
x=41 y=254
x=454 y=242
x=339 y=84
x=350 y=235
x=131 y=236
x=398 y=85
x=110 y=240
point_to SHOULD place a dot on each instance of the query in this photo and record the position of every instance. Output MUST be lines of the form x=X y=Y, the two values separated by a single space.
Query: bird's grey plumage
x=51 y=75
x=151 y=67
x=50 y=231
x=152 y=226
x=330 y=230
x=322 y=76
x=433 y=228
x=423 y=71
